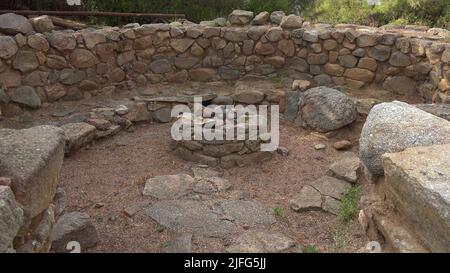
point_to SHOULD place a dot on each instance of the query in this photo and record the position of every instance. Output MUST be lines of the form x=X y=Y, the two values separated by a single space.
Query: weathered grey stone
x=11 y=23
x=380 y=52
x=82 y=58
x=261 y=18
x=277 y=16
x=42 y=23
x=8 y=47
x=186 y=62
x=348 y=61
x=62 y=41
x=439 y=110
x=250 y=213
x=71 y=76
x=246 y=96
x=330 y=186
x=25 y=61
x=78 y=135
x=202 y=74
x=325 y=109
x=74 y=226
x=190 y=216
x=331 y=205
x=297 y=64
x=181 y=45
x=274 y=34
x=311 y=36
x=161 y=66
x=32 y=158
x=291 y=21
x=417 y=183
x=56 y=62
x=11 y=218
x=39 y=42
x=291 y=104
x=240 y=17
x=36 y=78
x=401 y=85
x=168 y=186
x=392 y=127
x=345 y=168
x=399 y=59
x=261 y=241
x=25 y=95
x=308 y=199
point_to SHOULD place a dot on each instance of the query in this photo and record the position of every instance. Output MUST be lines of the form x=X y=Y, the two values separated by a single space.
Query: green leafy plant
x=310 y=249
x=278 y=211
x=25 y=121
x=349 y=204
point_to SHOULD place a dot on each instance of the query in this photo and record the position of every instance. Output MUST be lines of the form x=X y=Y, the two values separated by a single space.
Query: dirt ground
x=108 y=176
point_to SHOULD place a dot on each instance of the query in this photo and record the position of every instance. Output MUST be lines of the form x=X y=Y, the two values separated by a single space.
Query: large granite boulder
x=395 y=126
x=325 y=109
x=417 y=182
x=32 y=158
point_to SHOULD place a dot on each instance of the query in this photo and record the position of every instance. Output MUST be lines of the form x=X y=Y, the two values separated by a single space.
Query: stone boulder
x=25 y=95
x=11 y=23
x=291 y=21
x=393 y=127
x=78 y=135
x=417 y=182
x=42 y=23
x=240 y=17
x=325 y=109
x=74 y=226
x=11 y=219
x=8 y=47
x=32 y=158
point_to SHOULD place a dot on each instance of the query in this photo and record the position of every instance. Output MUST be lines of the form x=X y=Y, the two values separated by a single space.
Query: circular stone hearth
x=243 y=150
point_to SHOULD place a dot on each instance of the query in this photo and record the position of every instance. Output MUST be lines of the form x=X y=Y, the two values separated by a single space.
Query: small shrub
x=349 y=204
x=310 y=249
x=278 y=211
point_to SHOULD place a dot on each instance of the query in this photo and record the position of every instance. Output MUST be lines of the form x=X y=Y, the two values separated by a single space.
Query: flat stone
x=262 y=241
x=330 y=186
x=32 y=158
x=168 y=186
x=401 y=85
x=416 y=180
x=78 y=135
x=248 y=96
x=308 y=199
x=345 y=168
x=331 y=205
x=249 y=213
x=74 y=226
x=190 y=216
x=179 y=243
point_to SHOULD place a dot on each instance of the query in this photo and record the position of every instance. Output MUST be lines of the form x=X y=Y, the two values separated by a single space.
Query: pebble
x=283 y=151
x=342 y=145
x=320 y=146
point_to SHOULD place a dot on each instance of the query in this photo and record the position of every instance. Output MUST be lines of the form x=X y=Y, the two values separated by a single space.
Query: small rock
x=100 y=124
x=283 y=151
x=342 y=145
x=99 y=205
x=261 y=241
x=301 y=85
x=5 y=181
x=308 y=199
x=320 y=146
x=121 y=110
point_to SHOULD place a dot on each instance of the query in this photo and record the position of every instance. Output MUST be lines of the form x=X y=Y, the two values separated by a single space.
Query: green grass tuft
x=349 y=204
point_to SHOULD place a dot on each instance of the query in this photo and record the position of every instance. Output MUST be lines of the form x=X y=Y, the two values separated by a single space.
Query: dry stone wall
x=36 y=68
